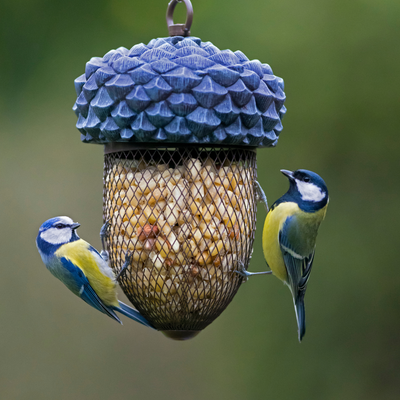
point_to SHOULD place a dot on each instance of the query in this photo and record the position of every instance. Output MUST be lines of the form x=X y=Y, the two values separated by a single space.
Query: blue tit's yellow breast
x=89 y=262
x=271 y=247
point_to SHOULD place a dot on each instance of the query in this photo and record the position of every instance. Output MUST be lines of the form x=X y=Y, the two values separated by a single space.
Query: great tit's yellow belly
x=270 y=239
x=308 y=228
x=92 y=266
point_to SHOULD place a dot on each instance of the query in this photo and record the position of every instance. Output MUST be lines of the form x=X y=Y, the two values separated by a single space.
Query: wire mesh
x=186 y=216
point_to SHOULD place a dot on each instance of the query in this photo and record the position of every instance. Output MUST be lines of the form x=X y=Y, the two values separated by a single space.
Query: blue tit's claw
x=104 y=228
x=103 y=236
x=128 y=259
x=260 y=195
x=105 y=255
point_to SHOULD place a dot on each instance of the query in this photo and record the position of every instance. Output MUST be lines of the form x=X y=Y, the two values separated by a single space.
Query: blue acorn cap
x=179 y=90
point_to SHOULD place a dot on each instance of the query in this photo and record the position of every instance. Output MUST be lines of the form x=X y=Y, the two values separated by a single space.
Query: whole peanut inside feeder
x=181 y=121
x=186 y=217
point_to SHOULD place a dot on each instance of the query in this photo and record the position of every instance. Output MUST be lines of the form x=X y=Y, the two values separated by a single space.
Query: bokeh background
x=340 y=62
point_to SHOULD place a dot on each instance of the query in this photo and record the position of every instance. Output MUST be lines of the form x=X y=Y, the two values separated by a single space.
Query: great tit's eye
x=306 y=179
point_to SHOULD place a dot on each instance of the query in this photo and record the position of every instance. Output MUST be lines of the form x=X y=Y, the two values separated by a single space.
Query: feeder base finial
x=180 y=335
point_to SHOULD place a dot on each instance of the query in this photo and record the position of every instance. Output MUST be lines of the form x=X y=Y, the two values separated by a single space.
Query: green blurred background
x=340 y=62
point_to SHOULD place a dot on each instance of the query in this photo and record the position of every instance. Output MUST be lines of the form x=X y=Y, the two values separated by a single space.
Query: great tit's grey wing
x=298 y=267
x=298 y=254
x=298 y=271
x=307 y=265
x=86 y=292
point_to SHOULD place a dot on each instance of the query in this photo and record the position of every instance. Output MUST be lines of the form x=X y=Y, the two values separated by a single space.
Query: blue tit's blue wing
x=86 y=292
x=93 y=250
x=298 y=266
x=103 y=254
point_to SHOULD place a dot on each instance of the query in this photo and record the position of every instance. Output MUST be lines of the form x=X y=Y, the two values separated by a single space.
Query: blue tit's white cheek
x=57 y=236
x=310 y=192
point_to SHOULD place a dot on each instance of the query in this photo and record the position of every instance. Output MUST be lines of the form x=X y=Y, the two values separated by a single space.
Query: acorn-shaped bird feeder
x=181 y=121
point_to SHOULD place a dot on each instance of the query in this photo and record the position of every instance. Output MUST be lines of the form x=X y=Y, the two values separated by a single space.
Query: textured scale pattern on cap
x=179 y=90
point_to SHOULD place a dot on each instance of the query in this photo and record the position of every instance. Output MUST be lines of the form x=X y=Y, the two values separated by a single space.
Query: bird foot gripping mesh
x=182 y=220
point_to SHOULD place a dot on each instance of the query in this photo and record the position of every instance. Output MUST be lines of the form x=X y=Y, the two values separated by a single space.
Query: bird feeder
x=180 y=121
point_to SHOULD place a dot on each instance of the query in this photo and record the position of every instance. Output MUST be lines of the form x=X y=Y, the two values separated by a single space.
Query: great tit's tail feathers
x=301 y=317
x=133 y=314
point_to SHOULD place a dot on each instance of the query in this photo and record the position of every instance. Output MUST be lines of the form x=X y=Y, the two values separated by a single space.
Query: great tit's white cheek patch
x=57 y=236
x=310 y=192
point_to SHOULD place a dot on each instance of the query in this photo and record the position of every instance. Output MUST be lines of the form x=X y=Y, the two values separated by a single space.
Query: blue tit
x=290 y=233
x=81 y=268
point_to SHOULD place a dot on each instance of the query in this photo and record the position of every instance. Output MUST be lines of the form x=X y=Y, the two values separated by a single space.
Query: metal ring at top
x=179 y=29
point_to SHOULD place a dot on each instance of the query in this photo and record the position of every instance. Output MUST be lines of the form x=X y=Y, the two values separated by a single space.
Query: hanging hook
x=179 y=29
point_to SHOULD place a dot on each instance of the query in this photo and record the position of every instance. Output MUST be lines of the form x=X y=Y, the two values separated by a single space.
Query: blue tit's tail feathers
x=301 y=317
x=88 y=295
x=112 y=314
x=133 y=314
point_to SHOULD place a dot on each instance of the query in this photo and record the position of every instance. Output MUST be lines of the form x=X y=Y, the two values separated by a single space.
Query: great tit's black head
x=307 y=186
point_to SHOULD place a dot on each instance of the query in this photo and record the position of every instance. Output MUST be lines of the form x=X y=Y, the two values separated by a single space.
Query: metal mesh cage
x=186 y=216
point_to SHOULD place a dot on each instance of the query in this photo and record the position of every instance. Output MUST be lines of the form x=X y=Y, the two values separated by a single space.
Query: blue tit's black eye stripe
x=59 y=226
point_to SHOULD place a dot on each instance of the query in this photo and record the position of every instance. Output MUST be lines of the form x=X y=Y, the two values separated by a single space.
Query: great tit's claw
x=242 y=271
x=260 y=195
x=246 y=274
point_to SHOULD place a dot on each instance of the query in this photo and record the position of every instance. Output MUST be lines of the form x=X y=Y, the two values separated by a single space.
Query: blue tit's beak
x=75 y=225
x=287 y=173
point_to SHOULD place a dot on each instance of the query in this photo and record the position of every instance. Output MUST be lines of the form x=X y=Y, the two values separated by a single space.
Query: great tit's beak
x=287 y=173
x=75 y=225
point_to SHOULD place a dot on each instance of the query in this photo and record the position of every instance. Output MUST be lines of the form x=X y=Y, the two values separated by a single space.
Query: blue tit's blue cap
x=179 y=90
